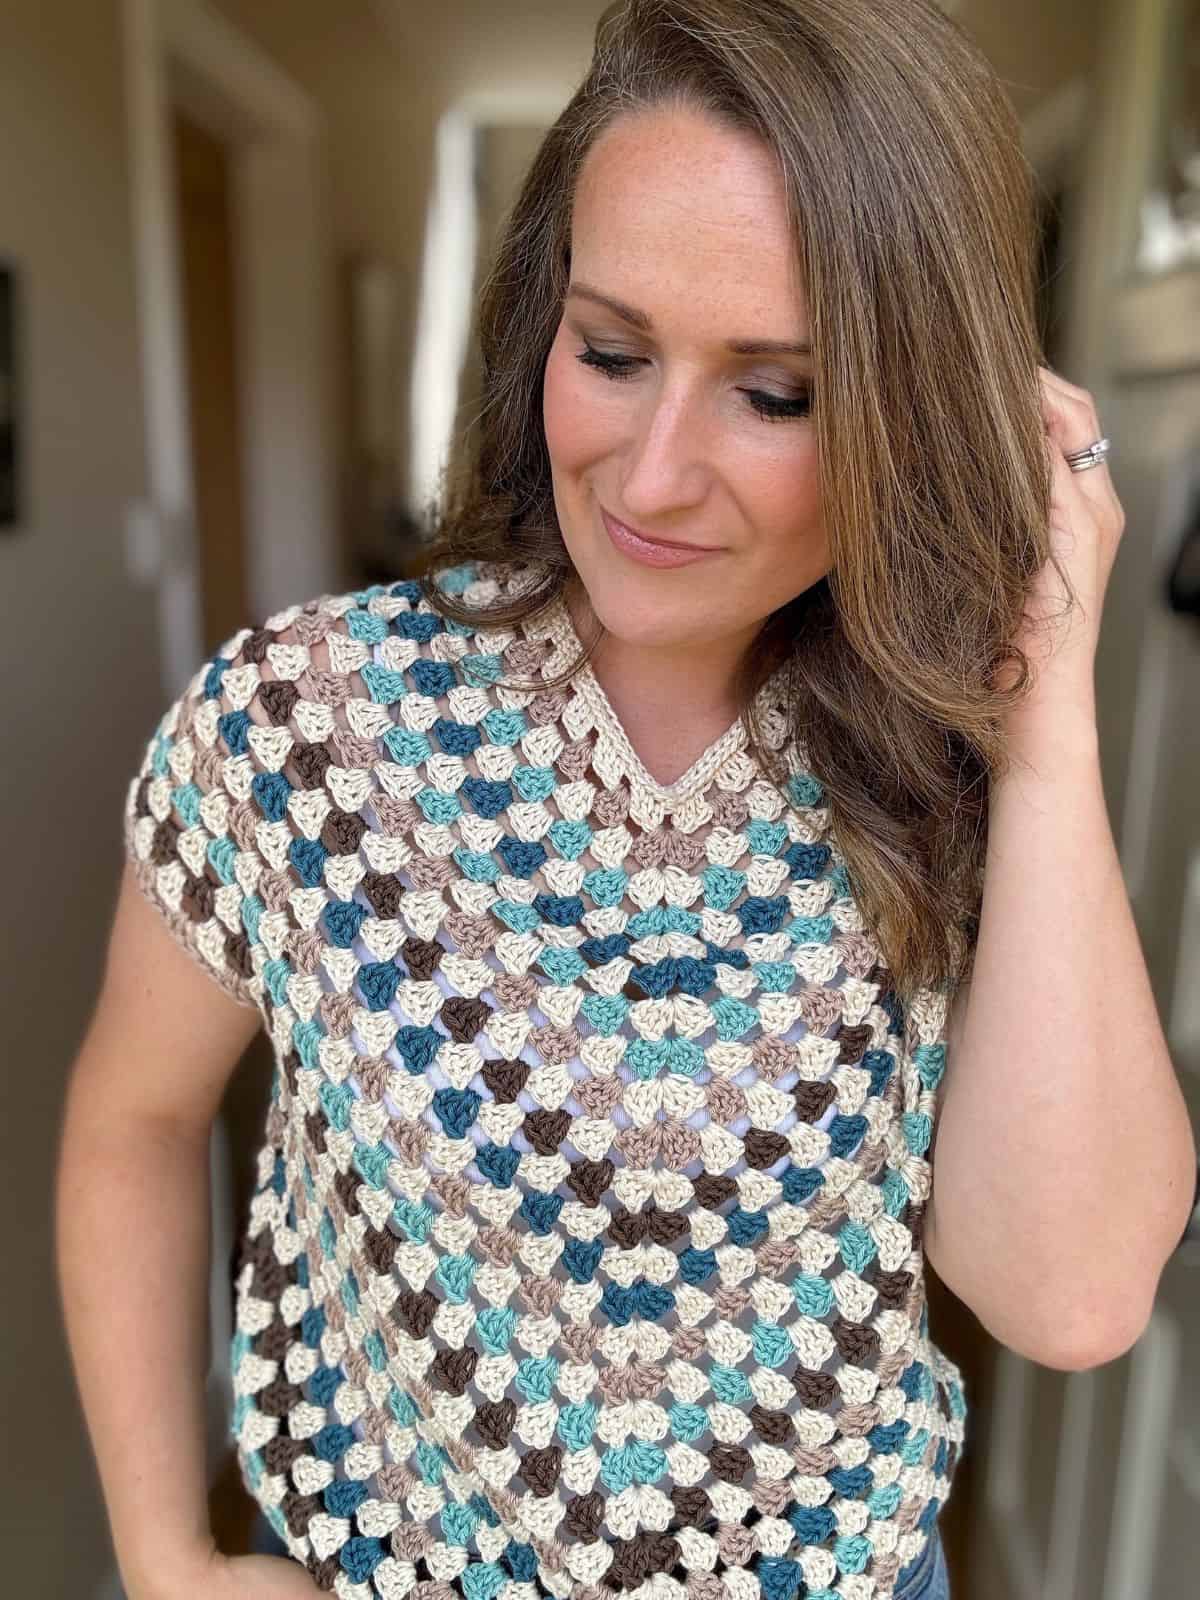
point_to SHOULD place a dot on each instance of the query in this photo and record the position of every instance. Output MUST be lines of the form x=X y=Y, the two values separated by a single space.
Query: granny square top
x=585 y=1249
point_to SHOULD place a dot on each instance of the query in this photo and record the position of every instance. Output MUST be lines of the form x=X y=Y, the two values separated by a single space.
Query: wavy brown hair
x=913 y=212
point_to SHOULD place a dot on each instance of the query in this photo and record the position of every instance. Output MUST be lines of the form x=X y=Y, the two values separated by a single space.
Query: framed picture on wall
x=8 y=398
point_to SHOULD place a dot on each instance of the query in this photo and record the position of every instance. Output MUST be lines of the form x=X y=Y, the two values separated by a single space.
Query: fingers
x=1070 y=413
x=1058 y=384
x=1072 y=423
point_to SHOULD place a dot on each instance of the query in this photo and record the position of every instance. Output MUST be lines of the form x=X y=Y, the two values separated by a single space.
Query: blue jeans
x=927 y=1577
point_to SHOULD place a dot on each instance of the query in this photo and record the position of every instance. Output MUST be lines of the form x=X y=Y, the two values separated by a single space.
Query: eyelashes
x=771 y=407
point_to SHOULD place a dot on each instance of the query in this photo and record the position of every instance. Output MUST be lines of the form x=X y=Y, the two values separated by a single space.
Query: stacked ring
x=1090 y=456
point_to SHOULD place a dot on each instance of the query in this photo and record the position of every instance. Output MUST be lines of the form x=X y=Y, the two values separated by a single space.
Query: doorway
x=236 y=310
x=208 y=296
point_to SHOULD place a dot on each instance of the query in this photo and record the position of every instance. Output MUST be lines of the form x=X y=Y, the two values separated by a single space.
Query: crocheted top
x=585 y=1252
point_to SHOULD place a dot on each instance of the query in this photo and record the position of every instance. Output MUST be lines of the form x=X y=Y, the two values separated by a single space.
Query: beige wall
x=78 y=689
x=1035 y=45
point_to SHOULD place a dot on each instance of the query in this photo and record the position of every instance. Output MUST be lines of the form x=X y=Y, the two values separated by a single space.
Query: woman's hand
x=1086 y=524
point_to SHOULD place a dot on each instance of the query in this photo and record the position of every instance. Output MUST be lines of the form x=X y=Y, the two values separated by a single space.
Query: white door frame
x=448 y=289
x=182 y=53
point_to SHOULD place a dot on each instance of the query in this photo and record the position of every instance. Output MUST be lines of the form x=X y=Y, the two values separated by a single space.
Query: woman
x=615 y=1000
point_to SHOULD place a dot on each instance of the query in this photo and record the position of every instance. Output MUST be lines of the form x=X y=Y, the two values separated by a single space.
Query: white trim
x=447 y=292
x=183 y=52
x=444 y=312
x=164 y=385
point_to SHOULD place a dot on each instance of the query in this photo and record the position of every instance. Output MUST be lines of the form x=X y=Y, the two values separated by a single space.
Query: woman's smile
x=653 y=552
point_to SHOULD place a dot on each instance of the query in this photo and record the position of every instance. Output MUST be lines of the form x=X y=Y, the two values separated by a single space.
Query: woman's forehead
x=670 y=201
x=686 y=165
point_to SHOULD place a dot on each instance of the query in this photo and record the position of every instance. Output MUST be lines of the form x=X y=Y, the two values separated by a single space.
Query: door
x=210 y=321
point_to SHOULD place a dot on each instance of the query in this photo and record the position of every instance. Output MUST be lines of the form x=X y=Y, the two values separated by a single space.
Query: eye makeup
x=771 y=407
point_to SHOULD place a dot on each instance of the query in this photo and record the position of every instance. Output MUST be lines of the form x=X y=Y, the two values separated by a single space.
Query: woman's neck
x=672 y=701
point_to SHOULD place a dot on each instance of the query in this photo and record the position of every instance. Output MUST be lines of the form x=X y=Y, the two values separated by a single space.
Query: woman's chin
x=638 y=615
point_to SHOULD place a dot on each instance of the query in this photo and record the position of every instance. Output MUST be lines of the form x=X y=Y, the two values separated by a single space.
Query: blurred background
x=239 y=247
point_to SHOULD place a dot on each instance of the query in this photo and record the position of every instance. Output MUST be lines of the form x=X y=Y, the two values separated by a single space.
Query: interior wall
x=78 y=693
x=1034 y=46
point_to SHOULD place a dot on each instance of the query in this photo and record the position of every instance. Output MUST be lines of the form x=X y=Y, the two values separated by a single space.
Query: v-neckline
x=556 y=623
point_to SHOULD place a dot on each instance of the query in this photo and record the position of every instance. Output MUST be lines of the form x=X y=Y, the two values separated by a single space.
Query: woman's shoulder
x=405 y=608
x=340 y=661
x=257 y=770
x=338 y=633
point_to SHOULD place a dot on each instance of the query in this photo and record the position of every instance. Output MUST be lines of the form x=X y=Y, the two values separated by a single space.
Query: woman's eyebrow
x=639 y=319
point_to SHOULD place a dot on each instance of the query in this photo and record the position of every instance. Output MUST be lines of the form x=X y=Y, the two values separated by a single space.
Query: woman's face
x=653 y=420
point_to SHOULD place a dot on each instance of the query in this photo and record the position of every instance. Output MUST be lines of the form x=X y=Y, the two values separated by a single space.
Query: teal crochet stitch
x=585 y=1251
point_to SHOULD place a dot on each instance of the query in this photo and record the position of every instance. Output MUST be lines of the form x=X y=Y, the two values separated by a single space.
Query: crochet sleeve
x=185 y=832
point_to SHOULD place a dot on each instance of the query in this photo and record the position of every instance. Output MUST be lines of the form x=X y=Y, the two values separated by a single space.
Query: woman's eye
x=777 y=407
x=610 y=365
x=772 y=407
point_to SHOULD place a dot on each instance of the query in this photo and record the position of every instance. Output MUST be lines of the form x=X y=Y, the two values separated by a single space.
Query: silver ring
x=1091 y=455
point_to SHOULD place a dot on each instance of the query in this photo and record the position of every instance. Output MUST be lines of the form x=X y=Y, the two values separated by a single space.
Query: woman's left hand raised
x=1086 y=523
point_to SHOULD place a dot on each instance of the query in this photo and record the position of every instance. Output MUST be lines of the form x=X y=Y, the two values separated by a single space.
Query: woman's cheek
x=787 y=512
x=582 y=415
x=562 y=411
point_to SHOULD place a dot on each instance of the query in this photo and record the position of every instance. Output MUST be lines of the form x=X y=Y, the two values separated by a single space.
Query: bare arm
x=1065 y=1158
x=132 y=1238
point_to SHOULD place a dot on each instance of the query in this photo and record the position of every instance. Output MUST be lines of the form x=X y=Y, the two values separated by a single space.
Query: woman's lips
x=649 y=551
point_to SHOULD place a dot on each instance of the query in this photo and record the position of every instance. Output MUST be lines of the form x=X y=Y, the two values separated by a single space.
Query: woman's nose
x=665 y=463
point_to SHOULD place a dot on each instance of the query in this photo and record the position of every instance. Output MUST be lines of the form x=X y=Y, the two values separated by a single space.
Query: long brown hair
x=914 y=226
